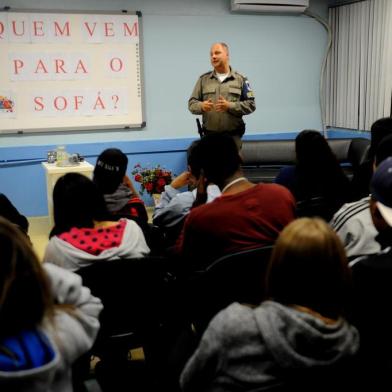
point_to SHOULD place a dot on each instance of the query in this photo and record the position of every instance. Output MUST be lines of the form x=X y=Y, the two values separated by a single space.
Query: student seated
x=47 y=318
x=372 y=283
x=317 y=181
x=246 y=216
x=84 y=232
x=353 y=222
x=174 y=206
x=362 y=176
x=298 y=339
x=121 y=197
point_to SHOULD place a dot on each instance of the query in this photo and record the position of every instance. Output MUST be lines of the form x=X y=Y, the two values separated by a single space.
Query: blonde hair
x=308 y=267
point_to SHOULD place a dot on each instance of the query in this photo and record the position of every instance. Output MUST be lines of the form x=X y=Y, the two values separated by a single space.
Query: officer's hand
x=222 y=105
x=207 y=106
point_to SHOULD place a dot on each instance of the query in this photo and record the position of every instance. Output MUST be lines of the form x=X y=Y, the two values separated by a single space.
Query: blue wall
x=22 y=176
x=281 y=55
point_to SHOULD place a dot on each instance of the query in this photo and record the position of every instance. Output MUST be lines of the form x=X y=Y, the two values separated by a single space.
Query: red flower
x=149 y=186
x=161 y=182
x=152 y=180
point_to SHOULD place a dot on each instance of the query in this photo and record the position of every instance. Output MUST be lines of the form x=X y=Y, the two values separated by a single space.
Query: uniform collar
x=229 y=76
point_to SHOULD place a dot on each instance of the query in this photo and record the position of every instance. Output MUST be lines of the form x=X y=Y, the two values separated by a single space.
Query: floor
x=39 y=229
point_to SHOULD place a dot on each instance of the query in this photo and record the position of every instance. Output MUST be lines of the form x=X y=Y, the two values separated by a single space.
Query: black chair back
x=132 y=292
x=238 y=277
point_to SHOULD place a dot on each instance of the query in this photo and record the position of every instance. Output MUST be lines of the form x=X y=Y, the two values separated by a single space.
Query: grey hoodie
x=118 y=199
x=70 y=336
x=244 y=349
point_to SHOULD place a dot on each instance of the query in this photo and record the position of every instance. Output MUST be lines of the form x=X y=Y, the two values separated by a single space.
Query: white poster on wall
x=70 y=71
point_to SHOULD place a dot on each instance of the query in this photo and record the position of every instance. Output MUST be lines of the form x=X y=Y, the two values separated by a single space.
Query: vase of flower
x=152 y=180
x=157 y=198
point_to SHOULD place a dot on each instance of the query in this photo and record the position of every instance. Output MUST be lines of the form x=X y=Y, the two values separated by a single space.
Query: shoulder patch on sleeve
x=247 y=90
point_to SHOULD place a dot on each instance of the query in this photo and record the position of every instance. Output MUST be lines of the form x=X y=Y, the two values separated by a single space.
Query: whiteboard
x=63 y=71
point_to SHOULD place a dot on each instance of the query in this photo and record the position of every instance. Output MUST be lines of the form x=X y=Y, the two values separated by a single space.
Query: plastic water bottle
x=61 y=156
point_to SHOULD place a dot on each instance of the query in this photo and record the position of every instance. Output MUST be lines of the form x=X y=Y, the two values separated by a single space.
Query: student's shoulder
x=277 y=193
x=233 y=318
x=201 y=213
x=274 y=188
x=351 y=211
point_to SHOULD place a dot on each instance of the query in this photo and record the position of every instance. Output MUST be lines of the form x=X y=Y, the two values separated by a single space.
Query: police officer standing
x=222 y=96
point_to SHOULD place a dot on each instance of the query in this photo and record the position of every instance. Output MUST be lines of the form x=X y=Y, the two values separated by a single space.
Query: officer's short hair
x=224 y=45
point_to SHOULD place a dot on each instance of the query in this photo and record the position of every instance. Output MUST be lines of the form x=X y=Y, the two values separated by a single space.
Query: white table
x=54 y=172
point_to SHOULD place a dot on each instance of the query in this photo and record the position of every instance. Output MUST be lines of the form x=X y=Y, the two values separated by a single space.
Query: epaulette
x=205 y=74
x=240 y=74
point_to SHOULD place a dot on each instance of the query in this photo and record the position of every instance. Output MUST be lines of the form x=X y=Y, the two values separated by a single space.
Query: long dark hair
x=77 y=202
x=318 y=170
x=25 y=294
